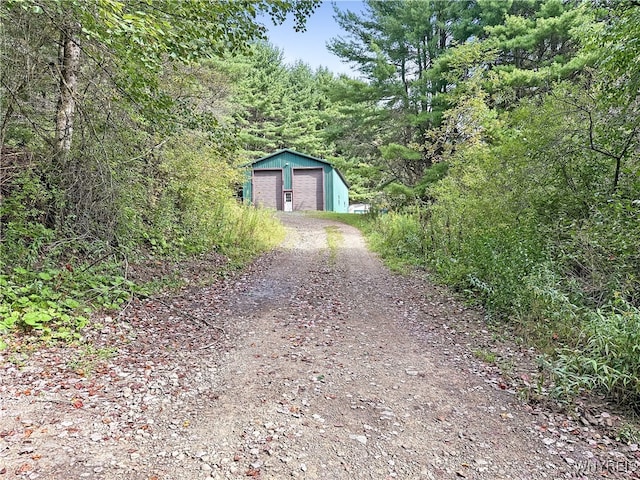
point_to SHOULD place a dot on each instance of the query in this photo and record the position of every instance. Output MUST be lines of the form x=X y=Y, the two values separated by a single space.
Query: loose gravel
x=312 y=363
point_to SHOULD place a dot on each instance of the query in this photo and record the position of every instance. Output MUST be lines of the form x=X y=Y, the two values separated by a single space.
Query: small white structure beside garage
x=359 y=208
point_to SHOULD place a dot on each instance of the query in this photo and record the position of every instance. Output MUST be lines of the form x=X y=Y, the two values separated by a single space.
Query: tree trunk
x=69 y=60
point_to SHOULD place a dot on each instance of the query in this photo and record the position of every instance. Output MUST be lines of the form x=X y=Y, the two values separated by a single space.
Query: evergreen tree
x=281 y=106
x=395 y=45
x=416 y=56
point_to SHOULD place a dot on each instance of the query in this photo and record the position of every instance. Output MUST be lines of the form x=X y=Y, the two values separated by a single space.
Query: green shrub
x=54 y=303
x=245 y=231
x=607 y=358
x=599 y=252
x=399 y=238
x=23 y=232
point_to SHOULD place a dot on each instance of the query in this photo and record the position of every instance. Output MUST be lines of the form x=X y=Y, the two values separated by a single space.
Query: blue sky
x=310 y=46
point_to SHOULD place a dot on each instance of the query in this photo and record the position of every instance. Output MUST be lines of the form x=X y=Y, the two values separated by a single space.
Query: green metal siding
x=340 y=193
x=336 y=193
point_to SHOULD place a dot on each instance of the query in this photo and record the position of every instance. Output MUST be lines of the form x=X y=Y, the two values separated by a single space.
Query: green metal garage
x=290 y=181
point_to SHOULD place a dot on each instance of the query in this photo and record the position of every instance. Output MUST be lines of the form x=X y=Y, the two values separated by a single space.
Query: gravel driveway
x=315 y=363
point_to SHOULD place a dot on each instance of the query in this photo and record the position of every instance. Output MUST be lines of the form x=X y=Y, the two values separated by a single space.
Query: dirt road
x=320 y=364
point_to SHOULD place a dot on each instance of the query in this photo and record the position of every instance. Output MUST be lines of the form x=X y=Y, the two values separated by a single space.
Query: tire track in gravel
x=327 y=381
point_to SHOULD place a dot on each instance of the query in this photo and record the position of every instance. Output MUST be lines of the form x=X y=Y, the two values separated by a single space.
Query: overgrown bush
x=192 y=186
x=194 y=209
x=23 y=229
x=482 y=228
x=176 y=203
x=400 y=237
x=599 y=252
x=54 y=303
x=607 y=358
x=538 y=219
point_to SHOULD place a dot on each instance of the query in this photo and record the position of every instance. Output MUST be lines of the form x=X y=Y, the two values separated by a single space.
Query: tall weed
x=399 y=237
x=607 y=358
x=246 y=231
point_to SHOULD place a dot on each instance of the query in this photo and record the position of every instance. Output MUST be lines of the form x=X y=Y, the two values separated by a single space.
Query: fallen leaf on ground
x=24 y=468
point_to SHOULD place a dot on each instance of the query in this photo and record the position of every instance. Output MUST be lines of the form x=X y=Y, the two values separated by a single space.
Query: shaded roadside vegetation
x=118 y=154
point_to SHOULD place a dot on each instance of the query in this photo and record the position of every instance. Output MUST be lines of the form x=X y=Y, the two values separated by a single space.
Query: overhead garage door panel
x=267 y=188
x=308 y=189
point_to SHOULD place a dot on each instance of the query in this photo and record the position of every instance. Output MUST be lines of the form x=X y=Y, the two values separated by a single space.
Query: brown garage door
x=307 y=189
x=267 y=188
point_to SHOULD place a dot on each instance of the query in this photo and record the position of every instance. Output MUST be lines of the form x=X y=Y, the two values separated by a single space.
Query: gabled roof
x=288 y=150
x=303 y=155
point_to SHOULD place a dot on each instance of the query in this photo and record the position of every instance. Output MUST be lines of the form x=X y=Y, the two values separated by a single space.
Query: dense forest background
x=500 y=136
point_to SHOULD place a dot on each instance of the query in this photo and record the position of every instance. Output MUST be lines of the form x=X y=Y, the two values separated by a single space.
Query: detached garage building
x=289 y=181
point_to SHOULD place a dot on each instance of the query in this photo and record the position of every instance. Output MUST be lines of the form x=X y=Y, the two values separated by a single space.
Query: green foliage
x=334 y=239
x=196 y=185
x=152 y=167
x=280 y=106
x=486 y=356
x=394 y=44
x=399 y=238
x=482 y=234
x=249 y=231
x=399 y=195
x=607 y=358
x=418 y=58
x=527 y=191
x=54 y=303
x=88 y=357
x=24 y=234
x=629 y=433
x=617 y=36
x=541 y=41
x=138 y=38
x=194 y=210
x=600 y=252
x=432 y=176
